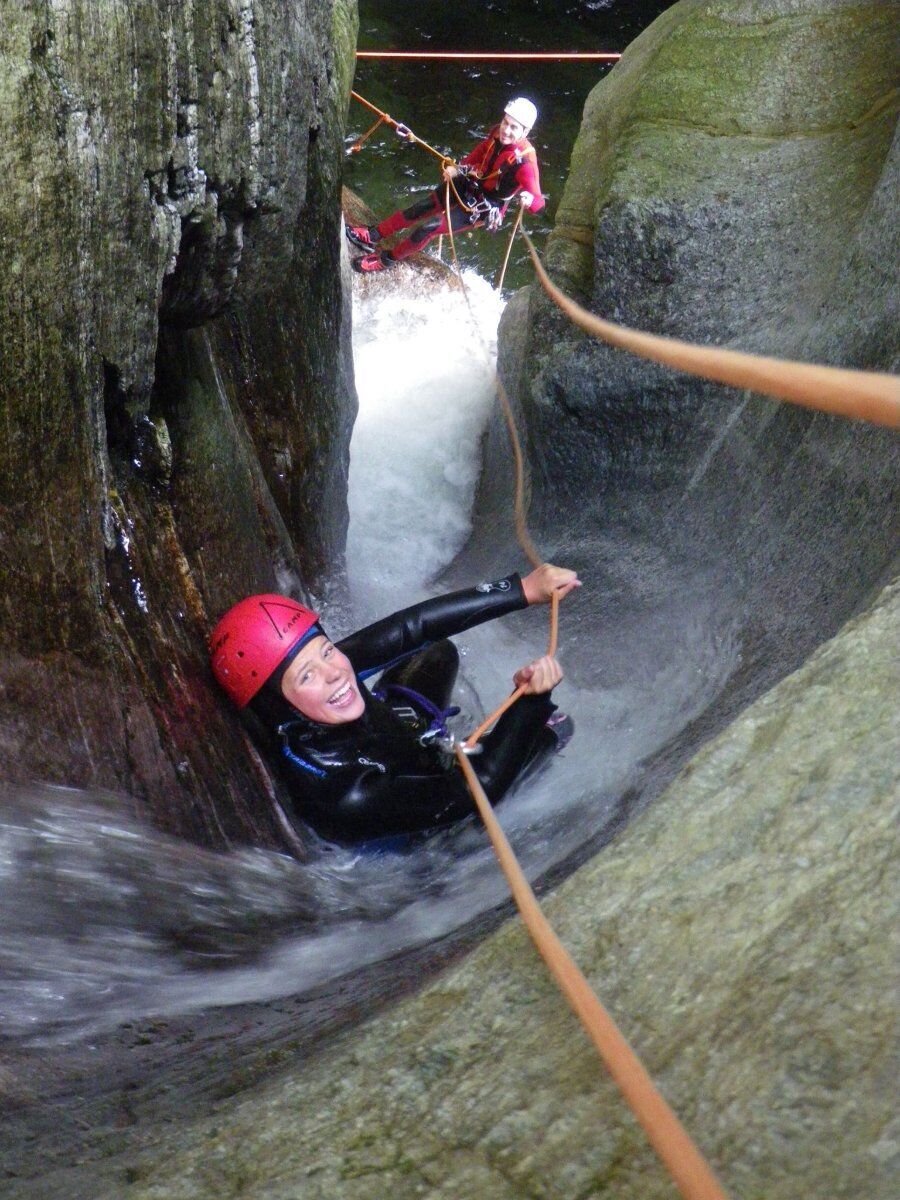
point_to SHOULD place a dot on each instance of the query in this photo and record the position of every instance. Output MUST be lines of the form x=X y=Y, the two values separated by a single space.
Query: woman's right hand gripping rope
x=540 y=584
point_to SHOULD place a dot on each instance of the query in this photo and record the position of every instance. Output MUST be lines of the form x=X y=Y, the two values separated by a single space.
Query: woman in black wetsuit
x=363 y=766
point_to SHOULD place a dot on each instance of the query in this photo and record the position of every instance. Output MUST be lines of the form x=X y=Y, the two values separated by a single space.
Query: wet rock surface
x=163 y=371
x=740 y=932
x=176 y=382
x=731 y=184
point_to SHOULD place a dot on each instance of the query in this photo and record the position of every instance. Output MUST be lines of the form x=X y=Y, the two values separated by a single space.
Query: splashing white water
x=425 y=379
x=425 y=365
x=115 y=951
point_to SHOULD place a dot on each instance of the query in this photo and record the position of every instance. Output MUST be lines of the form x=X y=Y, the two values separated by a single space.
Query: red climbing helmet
x=252 y=639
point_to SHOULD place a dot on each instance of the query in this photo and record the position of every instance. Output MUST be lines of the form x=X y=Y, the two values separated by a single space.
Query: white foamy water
x=424 y=375
x=425 y=381
x=425 y=365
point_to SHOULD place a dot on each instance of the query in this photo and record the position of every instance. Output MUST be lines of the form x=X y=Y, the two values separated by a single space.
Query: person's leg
x=431 y=209
x=434 y=226
x=404 y=217
x=460 y=220
x=367 y=237
x=431 y=673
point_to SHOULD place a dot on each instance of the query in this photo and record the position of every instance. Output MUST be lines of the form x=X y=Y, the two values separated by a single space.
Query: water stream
x=120 y=944
x=107 y=921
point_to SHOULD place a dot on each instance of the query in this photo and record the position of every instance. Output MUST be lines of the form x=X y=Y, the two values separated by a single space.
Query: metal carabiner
x=448 y=743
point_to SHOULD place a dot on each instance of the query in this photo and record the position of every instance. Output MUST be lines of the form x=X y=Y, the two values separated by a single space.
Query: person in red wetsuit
x=481 y=189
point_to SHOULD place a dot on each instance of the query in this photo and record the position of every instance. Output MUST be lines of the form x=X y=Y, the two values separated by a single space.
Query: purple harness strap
x=439 y=716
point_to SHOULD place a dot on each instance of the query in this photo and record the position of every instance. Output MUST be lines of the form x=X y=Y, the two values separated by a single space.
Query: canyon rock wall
x=175 y=378
x=732 y=183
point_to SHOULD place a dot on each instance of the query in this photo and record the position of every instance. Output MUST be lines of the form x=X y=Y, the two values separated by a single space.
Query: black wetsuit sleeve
x=392 y=638
x=519 y=734
x=376 y=803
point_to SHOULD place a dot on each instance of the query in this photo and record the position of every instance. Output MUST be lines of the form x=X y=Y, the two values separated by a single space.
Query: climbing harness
x=481 y=209
x=438 y=717
x=499 y=164
x=438 y=732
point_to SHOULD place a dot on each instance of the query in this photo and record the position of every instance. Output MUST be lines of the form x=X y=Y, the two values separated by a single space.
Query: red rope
x=484 y=55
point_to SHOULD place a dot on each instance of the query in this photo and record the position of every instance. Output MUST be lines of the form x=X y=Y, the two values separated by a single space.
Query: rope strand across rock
x=863 y=395
x=867 y=395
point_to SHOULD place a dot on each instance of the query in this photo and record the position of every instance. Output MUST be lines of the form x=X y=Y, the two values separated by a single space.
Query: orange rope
x=407 y=133
x=668 y=1137
x=522 y=531
x=868 y=395
x=489 y=55
x=358 y=144
x=664 y=1131
x=459 y=200
x=448 y=183
x=512 y=238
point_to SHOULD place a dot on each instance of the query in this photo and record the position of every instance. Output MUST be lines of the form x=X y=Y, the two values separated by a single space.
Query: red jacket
x=504 y=170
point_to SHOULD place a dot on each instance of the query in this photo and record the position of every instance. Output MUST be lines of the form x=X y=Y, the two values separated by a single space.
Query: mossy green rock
x=774 y=116
x=742 y=934
x=734 y=183
x=175 y=380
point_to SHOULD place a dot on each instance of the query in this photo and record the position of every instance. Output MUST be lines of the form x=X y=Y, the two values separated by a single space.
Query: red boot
x=364 y=236
x=369 y=263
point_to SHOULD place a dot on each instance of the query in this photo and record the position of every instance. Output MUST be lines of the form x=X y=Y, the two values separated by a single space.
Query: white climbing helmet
x=523 y=111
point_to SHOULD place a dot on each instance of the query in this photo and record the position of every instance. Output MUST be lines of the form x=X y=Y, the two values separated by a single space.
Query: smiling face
x=510 y=131
x=321 y=684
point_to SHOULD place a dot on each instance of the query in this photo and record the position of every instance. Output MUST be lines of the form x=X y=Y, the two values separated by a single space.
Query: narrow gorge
x=178 y=400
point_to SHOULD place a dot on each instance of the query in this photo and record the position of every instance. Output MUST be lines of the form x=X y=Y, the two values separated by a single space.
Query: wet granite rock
x=734 y=182
x=175 y=378
x=742 y=934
